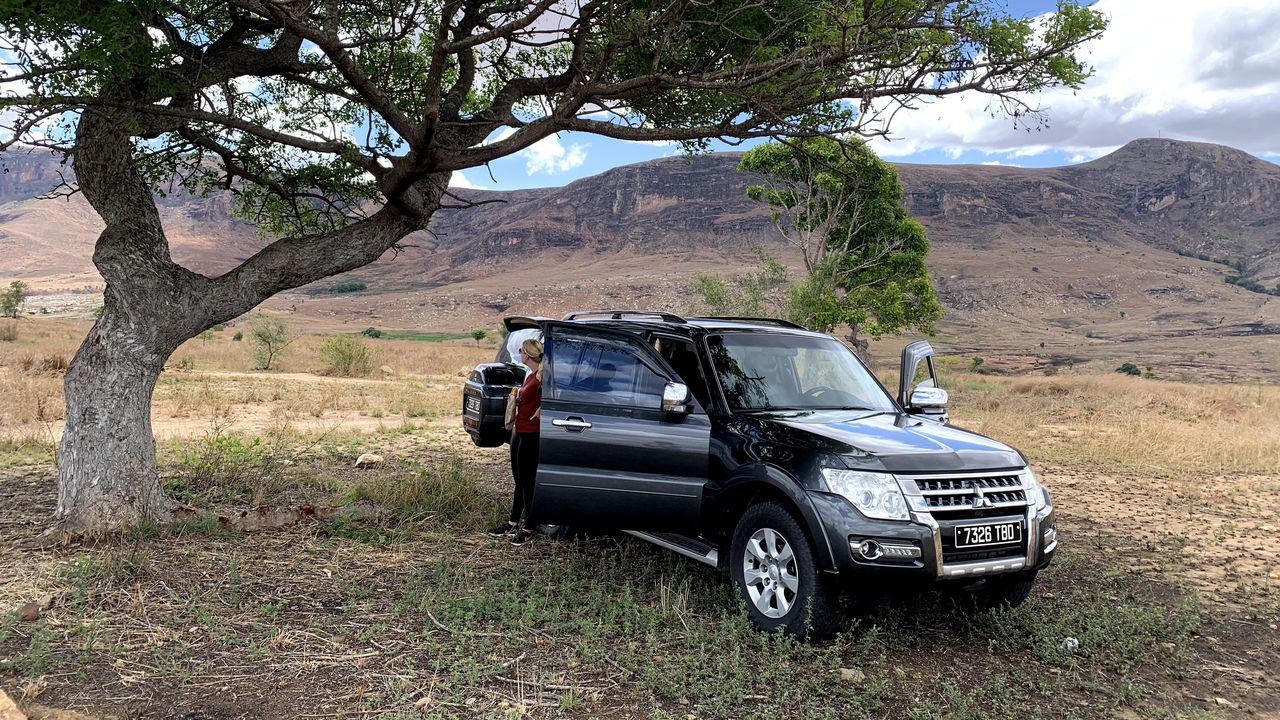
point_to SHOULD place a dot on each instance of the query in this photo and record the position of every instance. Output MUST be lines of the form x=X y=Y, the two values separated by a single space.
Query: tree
x=268 y=338
x=336 y=126
x=479 y=334
x=753 y=294
x=12 y=299
x=864 y=257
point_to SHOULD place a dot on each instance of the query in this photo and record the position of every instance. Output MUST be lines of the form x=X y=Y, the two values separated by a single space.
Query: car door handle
x=573 y=423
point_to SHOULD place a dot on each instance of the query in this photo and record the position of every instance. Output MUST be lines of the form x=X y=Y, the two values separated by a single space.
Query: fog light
x=869 y=549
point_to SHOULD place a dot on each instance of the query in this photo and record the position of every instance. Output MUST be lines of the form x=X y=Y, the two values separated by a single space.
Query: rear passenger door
x=609 y=456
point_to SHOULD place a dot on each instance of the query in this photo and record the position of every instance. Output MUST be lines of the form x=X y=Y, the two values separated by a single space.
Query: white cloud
x=1184 y=69
x=549 y=156
x=458 y=180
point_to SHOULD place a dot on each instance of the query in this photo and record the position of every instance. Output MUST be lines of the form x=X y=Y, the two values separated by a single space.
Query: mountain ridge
x=1047 y=264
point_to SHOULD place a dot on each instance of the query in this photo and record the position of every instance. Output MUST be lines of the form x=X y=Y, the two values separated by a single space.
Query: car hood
x=895 y=442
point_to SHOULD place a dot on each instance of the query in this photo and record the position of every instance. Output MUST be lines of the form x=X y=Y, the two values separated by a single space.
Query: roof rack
x=758 y=321
x=619 y=314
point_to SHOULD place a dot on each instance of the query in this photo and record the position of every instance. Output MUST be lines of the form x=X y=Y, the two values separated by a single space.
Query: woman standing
x=524 y=446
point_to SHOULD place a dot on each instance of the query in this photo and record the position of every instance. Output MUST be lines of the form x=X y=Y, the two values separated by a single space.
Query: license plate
x=473 y=404
x=988 y=534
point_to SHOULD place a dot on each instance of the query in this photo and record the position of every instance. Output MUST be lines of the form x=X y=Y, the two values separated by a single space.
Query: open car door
x=610 y=455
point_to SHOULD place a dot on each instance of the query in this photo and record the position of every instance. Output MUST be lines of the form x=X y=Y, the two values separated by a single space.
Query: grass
x=416 y=336
x=599 y=627
x=1125 y=423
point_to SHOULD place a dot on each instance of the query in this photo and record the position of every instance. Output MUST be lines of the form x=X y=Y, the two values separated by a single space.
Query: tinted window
x=765 y=371
x=603 y=372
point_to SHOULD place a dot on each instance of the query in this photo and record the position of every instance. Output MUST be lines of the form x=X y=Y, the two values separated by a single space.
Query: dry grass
x=209 y=381
x=1121 y=422
x=1098 y=419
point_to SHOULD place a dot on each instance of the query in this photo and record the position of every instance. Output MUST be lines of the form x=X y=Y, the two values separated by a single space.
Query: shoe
x=503 y=530
x=521 y=537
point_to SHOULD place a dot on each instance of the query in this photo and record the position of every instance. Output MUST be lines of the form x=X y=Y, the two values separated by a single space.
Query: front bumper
x=924 y=548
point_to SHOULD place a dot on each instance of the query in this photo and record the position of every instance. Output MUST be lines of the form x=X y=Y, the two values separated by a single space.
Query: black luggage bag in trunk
x=484 y=402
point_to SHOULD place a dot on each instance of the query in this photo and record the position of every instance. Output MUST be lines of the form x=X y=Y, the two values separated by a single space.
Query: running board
x=687 y=546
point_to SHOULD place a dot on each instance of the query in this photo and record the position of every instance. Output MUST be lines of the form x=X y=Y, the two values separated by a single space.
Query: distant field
x=1168 y=493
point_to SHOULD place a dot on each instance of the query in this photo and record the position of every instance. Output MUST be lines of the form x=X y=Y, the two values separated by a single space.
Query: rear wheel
x=773 y=565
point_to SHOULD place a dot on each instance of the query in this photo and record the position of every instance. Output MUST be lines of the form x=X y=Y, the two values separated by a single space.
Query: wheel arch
x=762 y=483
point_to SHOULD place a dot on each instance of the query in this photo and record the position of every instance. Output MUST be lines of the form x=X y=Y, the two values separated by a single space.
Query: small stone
x=852 y=675
x=386 y=370
x=1224 y=702
x=1069 y=644
x=1168 y=647
x=9 y=709
x=30 y=611
x=369 y=460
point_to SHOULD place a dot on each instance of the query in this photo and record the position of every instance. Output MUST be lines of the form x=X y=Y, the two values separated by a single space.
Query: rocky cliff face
x=1188 y=197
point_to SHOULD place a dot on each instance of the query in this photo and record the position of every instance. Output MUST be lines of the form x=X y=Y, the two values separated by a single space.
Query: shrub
x=49 y=364
x=975 y=363
x=371 y=332
x=449 y=492
x=238 y=336
x=9 y=332
x=269 y=337
x=346 y=287
x=11 y=300
x=185 y=363
x=346 y=357
x=227 y=465
x=1129 y=369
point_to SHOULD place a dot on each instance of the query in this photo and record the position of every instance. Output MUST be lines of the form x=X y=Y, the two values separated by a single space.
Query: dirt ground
x=297 y=622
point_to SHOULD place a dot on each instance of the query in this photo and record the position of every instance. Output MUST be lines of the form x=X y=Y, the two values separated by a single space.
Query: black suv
x=771 y=452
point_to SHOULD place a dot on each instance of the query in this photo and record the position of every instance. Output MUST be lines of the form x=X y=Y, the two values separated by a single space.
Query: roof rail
x=759 y=321
x=619 y=314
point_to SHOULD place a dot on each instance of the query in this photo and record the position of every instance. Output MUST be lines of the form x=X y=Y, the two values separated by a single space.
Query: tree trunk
x=107 y=477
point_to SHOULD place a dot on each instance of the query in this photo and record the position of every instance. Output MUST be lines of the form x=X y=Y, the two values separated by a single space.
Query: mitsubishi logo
x=980 y=500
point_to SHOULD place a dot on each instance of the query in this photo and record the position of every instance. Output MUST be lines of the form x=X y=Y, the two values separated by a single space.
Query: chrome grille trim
x=958 y=491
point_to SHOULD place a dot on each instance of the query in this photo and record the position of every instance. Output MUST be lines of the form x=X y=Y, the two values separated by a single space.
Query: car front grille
x=970 y=497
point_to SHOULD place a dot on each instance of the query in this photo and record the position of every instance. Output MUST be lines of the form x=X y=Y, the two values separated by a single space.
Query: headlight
x=876 y=495
x=1036 y=491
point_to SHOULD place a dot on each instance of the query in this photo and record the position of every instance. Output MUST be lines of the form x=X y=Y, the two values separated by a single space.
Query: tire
x=1001 y=591
x=773 y=565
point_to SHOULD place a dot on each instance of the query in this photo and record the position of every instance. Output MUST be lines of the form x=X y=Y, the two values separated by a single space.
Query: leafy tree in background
x=12 y=299
x=268 y=338
x=336 y=126
x=479 y=334
x=864 y=257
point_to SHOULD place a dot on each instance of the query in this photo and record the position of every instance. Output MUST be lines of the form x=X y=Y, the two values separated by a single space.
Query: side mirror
x=928 y=398
x=675 y=399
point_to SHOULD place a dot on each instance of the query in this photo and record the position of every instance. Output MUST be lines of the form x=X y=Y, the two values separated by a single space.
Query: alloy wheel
x=770 y=573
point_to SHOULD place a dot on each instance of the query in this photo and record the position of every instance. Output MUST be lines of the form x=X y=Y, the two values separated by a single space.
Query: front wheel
x=774 y=568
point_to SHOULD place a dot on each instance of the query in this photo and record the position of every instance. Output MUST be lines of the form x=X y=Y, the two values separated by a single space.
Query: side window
x=606 y=373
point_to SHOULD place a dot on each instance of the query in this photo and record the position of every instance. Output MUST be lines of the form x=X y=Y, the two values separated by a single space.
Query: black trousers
x=524 y=468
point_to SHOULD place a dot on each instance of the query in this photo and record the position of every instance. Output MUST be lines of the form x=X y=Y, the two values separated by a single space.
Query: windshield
x=766 y=371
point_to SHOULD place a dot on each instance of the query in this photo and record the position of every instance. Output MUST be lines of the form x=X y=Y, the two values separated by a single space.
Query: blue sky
x=1184 y=69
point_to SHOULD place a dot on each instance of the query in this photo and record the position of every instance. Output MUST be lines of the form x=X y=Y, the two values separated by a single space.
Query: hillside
x=1037 y=267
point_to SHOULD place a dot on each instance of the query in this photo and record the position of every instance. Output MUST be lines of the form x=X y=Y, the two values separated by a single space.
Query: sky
x=1184 y=69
